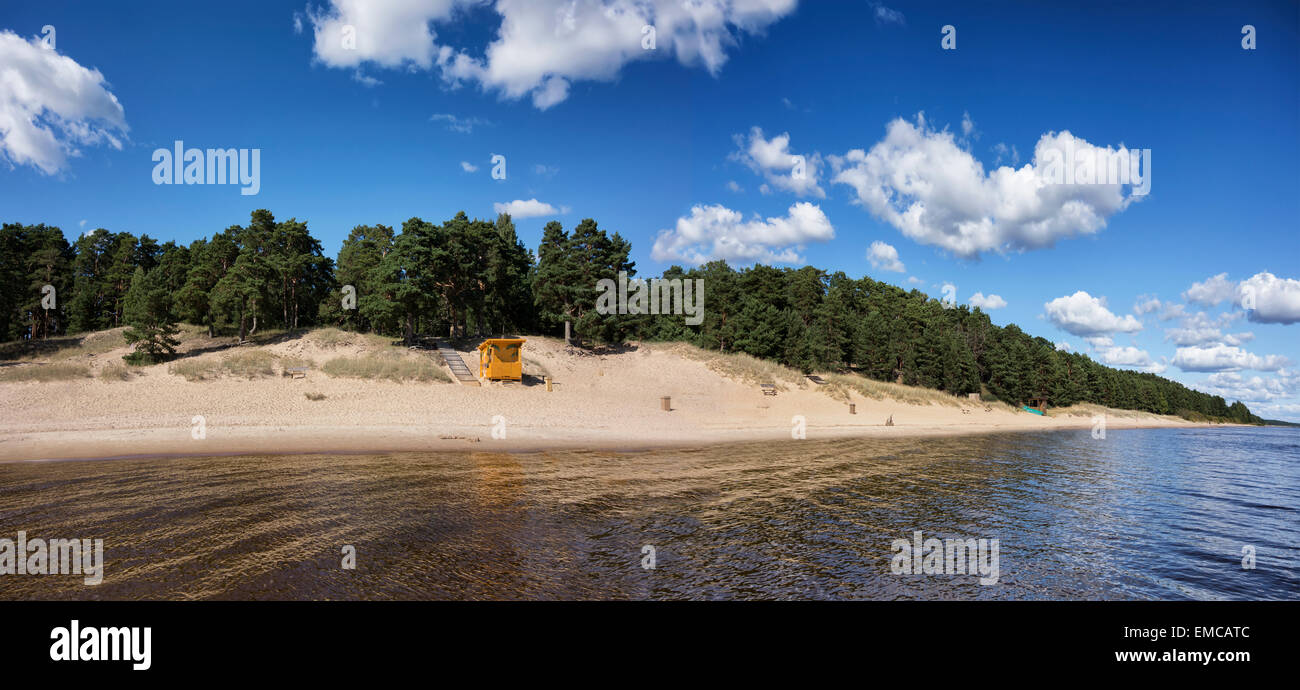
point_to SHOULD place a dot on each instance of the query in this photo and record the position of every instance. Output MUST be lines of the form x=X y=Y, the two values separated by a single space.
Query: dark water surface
x=1142 y=514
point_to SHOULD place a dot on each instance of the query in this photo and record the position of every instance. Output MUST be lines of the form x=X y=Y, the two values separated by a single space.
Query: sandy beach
x=609 y=401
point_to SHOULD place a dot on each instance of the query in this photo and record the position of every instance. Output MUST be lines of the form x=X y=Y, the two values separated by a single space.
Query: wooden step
x=463 y=373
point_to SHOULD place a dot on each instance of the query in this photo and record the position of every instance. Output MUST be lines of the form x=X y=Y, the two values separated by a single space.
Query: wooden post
x=548 y=384
x=853 y=408
x=666 y=403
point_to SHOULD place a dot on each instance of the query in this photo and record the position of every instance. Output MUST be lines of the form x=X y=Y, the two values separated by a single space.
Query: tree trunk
x=568 y=339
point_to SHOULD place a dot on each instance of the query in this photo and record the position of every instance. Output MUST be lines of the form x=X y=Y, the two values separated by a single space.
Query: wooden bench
x=768 y=388
x=295 y=372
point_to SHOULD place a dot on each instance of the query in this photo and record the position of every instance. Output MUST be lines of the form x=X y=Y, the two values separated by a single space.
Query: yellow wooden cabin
x=501 y=359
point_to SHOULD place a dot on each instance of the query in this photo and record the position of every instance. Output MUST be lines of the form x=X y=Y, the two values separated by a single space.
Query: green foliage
x=473 y=276
x=148 y=311
x=569 y=269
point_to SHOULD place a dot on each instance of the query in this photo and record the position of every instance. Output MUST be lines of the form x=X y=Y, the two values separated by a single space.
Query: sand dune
x=597 y=401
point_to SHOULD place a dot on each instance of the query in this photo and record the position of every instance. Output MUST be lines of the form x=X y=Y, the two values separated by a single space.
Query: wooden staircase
x=457 y=365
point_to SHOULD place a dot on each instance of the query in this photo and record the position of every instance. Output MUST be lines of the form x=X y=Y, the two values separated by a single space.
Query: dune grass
x=737 y=365
x=64 y=371
x=248 y=364
x=334 y=337
x=839 y=385
x=115 y=371
x=389 y=366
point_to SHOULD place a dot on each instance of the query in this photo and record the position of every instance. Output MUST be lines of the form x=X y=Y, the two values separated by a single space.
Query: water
x=1143 y=514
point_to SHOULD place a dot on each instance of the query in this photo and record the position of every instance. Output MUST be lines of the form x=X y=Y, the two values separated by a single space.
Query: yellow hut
x=501 y=359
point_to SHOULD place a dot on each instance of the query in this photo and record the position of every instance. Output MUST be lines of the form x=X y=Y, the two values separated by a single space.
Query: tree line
x=474 y=277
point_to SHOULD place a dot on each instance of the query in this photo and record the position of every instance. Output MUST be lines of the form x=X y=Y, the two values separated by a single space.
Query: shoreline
x=606 y=402
x=89 y=445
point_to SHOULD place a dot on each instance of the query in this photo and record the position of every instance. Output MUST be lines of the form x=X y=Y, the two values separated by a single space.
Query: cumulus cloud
x=1082 y=314
x=1146 y=304
x=1129 y=356
x=987 y=303
x=734 y=187
x=1275 y=300
x=1064 y=347
x=468 y=166
x=1107 y=352
x=1264 y=297
x=1225 y=358
x=50 y=105
x=1232 y=385
x=1203 y=335
x=716 y=232
x=779 y=166
x=1211 y=291
x=884 y=257
x=924 y=183
x=541 y=46
x=531 y=208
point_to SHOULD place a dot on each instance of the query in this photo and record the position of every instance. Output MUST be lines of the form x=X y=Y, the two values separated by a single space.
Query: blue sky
x=593 y=125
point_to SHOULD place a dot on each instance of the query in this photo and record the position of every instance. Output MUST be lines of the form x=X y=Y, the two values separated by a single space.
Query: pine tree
x=148 y=311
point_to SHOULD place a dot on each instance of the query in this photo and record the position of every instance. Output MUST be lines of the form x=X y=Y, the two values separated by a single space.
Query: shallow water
x=1142 y=514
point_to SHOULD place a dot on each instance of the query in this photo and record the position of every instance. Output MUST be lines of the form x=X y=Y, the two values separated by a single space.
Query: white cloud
x=1265 y=297
x=547 y=171
x=1064 y=347
x=733 y=186
x=365 y=80
x=884 y=257
x=1107 y=352
x=529 y=209
x=1233 y=386
x=1129 y=356
x=1276 y=300
x=1204 y=335
x=885 y=15
x=773 y=159
x=717 y=232
x=468 y=166
x=914 y=280
x=1211 y=291
x=922 y=182
x=987 y=303
x=1082 y=314
x=49 y=105
x=1005 y=152
x=1146 y=304
x=1225 y=358
x=464 y=125
x=541 y=46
